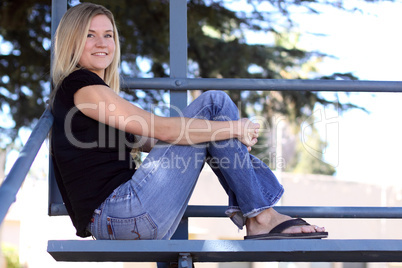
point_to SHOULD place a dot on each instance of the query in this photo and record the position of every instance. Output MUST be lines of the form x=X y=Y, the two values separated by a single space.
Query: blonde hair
x=70 y=38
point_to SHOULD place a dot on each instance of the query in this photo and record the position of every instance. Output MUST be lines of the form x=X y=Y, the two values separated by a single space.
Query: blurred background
x=336 y=149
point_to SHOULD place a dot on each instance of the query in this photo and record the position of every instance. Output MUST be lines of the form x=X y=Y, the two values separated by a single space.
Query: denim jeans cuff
x=255 y=212
x=235 y=214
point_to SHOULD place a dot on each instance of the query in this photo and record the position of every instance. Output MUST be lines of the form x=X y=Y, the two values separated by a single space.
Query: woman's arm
x=104 y=105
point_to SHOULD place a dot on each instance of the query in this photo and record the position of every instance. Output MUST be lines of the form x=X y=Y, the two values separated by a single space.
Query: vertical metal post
x=178 y=52
x=185 y=260
x=59 y=7
x=181 y=232
x=178 y=69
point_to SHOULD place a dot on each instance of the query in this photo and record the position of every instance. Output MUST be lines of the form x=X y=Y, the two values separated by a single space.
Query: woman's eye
x=90 y=35
x=109 y=36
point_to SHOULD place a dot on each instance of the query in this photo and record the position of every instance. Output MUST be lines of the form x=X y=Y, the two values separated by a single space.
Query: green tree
x=216 y=48
x=24 y=68
x=309 y=158
x=11 y=257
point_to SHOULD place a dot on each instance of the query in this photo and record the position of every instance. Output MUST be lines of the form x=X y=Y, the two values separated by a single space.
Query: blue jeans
x=152 y=203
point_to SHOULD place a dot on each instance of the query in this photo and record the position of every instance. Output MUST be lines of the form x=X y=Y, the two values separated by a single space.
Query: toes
x=304 y=229
x=299 y=229
x=318 y=229
x=308 y=229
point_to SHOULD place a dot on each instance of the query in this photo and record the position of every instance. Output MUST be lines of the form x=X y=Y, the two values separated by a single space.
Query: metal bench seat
x=307 y=250
x=186 y=251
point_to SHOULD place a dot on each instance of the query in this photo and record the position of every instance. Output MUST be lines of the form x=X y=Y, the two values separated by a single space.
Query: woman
x=93 y=133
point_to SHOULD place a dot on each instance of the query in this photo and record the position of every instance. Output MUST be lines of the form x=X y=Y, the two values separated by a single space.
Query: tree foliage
x=217 y=47
x=24 y=60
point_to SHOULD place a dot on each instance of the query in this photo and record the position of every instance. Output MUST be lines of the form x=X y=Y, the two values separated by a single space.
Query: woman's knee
x=215 y=95
x=219 y=98
x=222 y=101
x=217 y=103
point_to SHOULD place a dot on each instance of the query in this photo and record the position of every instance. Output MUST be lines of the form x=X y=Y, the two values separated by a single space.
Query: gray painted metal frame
x=12 y=183
x=262 y=84
x=178 y=83
x=224 y=250
x=195 y=211
x=216 y=251
x=229 y=250
x=178 y=51
x=309 y=212
x=59 y=7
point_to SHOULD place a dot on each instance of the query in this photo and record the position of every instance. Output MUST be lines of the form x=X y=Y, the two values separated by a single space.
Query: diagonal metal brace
x=185 y=260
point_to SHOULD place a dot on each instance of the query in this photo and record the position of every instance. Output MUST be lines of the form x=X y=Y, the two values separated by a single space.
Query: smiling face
x=99 y=46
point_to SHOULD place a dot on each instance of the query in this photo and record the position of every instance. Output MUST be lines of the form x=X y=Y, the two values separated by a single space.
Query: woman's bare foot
x=264 y=222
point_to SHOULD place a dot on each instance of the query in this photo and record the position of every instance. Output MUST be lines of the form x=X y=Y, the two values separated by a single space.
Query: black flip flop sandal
x=276 y=233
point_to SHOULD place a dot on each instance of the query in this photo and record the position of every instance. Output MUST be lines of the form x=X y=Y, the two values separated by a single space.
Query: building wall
x=10 y=233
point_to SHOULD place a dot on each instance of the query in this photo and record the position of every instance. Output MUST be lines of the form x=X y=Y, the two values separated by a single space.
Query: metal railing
x=178 y=84
x=12 y=183
x=262 y=84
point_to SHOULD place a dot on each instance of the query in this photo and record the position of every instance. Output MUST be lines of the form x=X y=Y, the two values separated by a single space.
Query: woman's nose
x=101 y=42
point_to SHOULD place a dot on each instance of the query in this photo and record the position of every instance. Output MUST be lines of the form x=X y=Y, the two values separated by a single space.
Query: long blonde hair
x=70 y=40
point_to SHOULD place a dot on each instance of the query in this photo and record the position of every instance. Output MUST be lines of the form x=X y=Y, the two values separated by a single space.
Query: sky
x=363 y=147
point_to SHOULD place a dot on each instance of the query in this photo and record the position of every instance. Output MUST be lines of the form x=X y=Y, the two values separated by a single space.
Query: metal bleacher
x=180 y=249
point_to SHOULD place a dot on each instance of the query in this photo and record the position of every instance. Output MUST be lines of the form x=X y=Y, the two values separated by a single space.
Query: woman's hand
x=249 y=132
